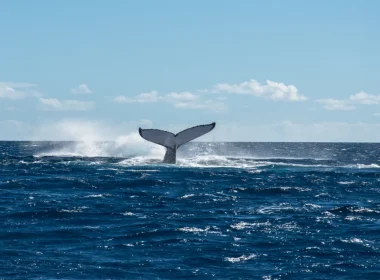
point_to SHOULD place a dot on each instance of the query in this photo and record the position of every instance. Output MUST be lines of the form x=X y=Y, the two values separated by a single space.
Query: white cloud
x=10 y=93
x=189 y=100
x=52 y=104
x=211 y=105
x=17 y=91
x=81 y=89
x=148 y=97
x=176 y=99
x=376 y=114
x=360 y=98
x=365 y=98
x=271 y=90
x=181 y=96
x=335 y=104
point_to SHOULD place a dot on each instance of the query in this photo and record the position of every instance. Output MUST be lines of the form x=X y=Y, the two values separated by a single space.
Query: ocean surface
x=109 y=210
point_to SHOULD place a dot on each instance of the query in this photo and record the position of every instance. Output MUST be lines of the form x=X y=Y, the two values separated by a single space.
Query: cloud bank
x=286 y=131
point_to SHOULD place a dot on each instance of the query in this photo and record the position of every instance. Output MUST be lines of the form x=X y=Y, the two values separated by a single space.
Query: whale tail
x=173 y=141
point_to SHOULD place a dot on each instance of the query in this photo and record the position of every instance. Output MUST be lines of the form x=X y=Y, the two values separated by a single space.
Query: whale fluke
x=173 y=141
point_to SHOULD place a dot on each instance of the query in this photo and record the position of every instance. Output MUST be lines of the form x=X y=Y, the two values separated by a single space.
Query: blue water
x=226 y=211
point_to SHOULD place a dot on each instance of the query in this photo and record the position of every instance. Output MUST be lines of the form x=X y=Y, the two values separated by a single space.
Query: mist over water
x=94 y=209
x=92 y=139
x=124 y=146
x=136 y=150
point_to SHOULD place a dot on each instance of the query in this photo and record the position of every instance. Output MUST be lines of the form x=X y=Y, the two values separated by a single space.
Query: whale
x=173 y=141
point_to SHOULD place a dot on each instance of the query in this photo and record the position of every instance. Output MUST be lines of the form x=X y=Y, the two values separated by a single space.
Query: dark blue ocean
x=73 y=210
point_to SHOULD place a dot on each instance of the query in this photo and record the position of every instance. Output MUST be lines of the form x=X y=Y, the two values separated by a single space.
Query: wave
x=240 y=259
x=106 y=152
x=215 y=161
x=132 y=150
x=239 y=162
x=364 y=166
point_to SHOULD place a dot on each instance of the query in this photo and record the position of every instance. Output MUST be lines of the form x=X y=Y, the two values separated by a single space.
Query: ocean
x=104 y=210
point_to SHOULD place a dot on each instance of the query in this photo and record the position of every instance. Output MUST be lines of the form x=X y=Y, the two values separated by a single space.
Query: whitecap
x=245 y=225
x=192 y=229
x=187 y=195
x=142 y=170
x=274 y=208
x=94 y=195
x=240 y=259
x=75 y=210
x=365 y=210
x=352 y=218
x=207 y=230
x=314 y=247
x=128 y=214
x=346 y=182
x=354 y=240
x=139 y=161
x=92 y=227
x=362 y=166
x=312 y=206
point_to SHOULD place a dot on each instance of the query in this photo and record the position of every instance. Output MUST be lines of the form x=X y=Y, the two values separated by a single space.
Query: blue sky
x=263 y=70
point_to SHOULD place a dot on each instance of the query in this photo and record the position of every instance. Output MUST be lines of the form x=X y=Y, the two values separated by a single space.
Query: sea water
x=106 y=210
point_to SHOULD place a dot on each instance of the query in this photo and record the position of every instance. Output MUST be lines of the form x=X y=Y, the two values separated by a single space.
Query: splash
x=91 y=139
x=130 y=145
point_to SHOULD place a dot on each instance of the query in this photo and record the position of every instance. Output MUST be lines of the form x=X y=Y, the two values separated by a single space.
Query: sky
x=262 y=70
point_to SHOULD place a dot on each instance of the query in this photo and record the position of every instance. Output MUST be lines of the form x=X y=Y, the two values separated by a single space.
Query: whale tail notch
x=173 y=141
